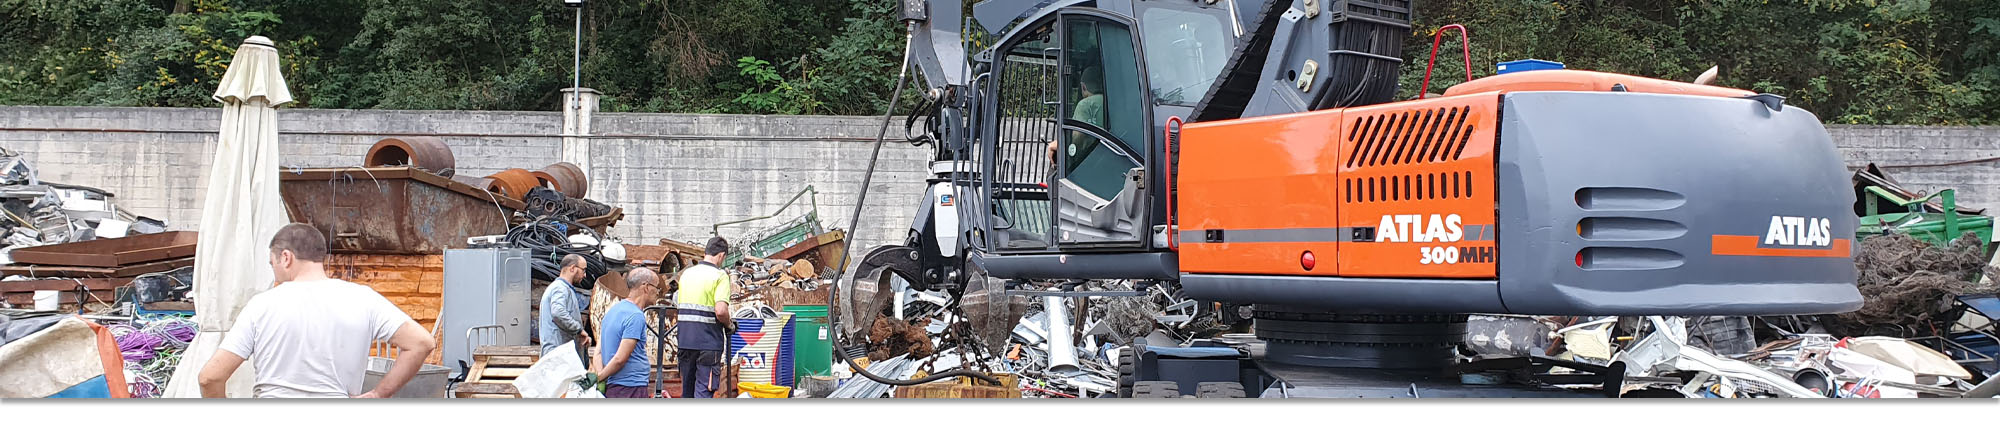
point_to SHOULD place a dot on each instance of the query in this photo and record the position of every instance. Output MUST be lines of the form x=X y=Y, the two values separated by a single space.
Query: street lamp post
x=576 y=57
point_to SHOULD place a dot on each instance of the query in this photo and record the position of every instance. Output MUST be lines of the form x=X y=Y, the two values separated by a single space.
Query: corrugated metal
x=414 y=282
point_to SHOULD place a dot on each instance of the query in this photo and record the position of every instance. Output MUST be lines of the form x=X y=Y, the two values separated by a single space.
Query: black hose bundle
x=544 y=201
x=547 y=239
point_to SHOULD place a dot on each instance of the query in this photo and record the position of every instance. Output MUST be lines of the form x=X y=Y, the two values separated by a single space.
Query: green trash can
x=814 y=343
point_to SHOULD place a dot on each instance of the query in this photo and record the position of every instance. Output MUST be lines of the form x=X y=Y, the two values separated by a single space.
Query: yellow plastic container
x=756 y=390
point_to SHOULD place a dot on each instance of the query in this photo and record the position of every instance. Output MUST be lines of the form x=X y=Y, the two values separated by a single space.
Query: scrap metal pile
x=1926 y=329
x=73 y=249
x=43 y=213
x=1063 y=347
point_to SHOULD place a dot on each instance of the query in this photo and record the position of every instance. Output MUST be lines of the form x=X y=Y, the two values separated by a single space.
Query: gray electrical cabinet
x=484 y=287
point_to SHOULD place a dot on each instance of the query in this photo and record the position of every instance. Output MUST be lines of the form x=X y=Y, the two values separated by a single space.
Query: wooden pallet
x=494 y=368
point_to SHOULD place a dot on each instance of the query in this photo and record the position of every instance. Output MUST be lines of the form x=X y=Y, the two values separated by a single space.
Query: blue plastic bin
x=1528 y=65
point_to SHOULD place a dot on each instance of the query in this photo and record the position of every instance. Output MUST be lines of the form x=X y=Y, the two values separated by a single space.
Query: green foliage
x=1850 y=61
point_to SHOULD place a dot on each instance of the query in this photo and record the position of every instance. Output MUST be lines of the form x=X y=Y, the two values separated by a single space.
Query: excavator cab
x=1071 y=118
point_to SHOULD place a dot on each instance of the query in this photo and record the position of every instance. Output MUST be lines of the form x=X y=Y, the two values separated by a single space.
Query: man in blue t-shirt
x=623 y=330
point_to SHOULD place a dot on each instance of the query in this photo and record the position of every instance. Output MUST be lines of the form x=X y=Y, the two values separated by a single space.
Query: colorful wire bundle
x=153 y=351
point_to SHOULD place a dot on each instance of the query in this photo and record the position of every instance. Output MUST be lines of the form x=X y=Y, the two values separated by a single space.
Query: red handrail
x=1437 y=37
x=1167 y=146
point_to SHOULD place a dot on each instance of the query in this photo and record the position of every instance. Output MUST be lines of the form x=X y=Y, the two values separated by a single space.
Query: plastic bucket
x=47 y=301
x=756 y=390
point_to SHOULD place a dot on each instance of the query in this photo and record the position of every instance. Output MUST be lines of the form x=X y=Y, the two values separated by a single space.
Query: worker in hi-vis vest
x=703 y=301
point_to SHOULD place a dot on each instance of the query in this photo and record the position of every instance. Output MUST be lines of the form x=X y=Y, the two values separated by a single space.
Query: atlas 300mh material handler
x=1248 y=153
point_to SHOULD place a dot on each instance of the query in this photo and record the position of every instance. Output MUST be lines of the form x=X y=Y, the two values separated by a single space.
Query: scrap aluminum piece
x=1031 y=328
x=1657 y=348
x=1666 y=348
x=1696 y=359
x=899 y=367
x=1062 y=349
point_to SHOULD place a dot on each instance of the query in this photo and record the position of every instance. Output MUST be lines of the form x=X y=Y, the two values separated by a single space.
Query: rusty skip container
x=392 y=210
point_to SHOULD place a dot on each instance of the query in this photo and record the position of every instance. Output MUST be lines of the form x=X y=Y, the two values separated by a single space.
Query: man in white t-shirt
x=310 y=335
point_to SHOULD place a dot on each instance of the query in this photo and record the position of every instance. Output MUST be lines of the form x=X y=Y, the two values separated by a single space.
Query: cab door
x=1099 y=191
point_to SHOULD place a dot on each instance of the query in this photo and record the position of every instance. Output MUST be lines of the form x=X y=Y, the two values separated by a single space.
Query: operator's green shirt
x=1090 y=110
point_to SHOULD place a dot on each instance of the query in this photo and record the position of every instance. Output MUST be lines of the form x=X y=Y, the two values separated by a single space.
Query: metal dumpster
x=392 y=210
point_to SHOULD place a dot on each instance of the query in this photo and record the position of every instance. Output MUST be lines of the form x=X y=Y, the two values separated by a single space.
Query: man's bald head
x=642 y=286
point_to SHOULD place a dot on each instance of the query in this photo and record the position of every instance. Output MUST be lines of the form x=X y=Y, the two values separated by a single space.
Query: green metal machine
x=770 y=240
x=1935 y=227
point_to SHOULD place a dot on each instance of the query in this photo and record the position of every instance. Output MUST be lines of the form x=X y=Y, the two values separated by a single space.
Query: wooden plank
x=95 y=283
x=30 y=270
x=484 y=388
x=502 y=372
x=479 y=395
x=112 y=252
x=502 y=361
x=949 y=390
x=477 y=372
x=170 y=306
x=66 y=297
x=508 y=350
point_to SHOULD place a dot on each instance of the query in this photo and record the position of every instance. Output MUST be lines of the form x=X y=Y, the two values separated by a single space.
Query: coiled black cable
x=547 y=240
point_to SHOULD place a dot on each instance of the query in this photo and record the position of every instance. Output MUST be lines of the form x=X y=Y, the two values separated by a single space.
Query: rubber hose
x=902 y=77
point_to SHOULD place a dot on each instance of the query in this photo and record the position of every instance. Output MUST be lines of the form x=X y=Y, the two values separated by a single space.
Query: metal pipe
x=576 y=69
x=1062 y=349
x=717 y=228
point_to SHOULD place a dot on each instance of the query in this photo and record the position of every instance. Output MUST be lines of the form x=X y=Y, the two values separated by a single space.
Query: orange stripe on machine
x=1748 y=245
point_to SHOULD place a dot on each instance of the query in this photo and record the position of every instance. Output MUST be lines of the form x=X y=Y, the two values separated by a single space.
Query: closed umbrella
x=240 y=213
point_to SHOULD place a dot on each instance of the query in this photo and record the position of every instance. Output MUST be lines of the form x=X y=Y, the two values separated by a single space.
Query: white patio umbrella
x=241 y=212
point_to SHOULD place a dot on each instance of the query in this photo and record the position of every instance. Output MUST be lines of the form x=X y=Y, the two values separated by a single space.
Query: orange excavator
x=1249 y=155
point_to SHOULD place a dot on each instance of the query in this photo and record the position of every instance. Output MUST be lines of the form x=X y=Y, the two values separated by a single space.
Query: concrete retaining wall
x=676 y=174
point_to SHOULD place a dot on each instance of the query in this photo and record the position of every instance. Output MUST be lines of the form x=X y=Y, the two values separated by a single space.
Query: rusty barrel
x=567 y=178
x=429 y=153
x=514 y=182
x=481 y=183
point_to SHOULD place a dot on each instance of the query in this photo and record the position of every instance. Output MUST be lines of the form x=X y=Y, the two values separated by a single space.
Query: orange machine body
x=1578 y=80
x=1395 y=190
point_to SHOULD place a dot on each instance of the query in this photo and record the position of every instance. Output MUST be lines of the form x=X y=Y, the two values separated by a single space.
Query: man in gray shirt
x=562 y=310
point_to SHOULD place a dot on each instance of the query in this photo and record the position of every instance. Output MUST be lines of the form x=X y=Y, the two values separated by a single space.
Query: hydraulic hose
x=853 y=230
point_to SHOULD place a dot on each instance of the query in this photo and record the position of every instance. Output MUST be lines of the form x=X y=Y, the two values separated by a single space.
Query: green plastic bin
x=814 y=343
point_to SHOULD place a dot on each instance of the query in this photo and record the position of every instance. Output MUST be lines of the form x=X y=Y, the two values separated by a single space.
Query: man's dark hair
x=716 y=245
x=1092 y=79
x=304 y=241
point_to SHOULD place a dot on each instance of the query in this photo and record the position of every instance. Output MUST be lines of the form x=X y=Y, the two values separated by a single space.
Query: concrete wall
x=677 y=174
x=1930 y=158
x=674 y=174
